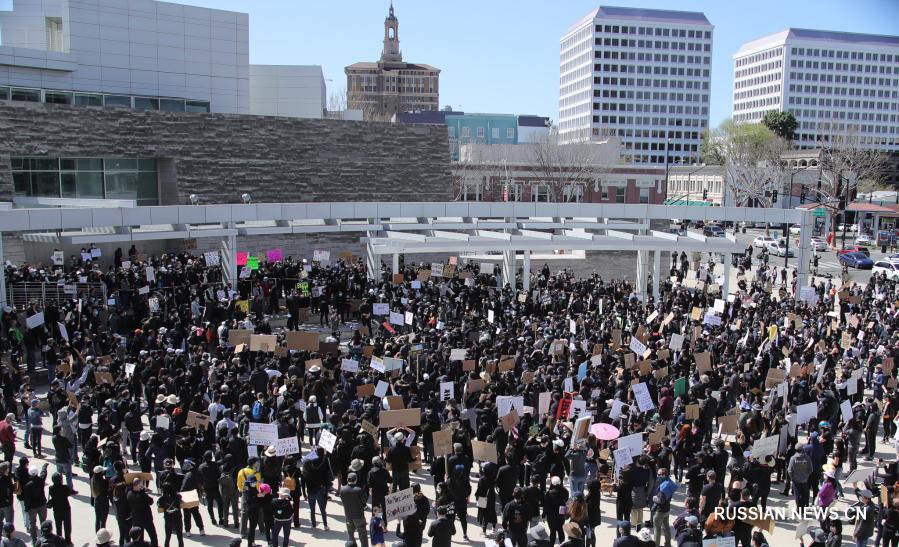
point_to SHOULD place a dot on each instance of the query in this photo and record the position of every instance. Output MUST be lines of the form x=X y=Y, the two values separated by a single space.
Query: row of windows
x=696 y=186
x=814 y=77
x=851 y=55
x=760 y=56
x=865 y=140
x=631 y=120
x=660 y=160
x=652 y=31
x=843 y=103
x=494 y=132
x=87 y=178
x=645 y=82
x=763 y=79
x=477 y=191
x=660 y=146
x=640 y=107
x=756 y=103
x=654 y=95
x=756 y=92
x=851 y=91
x=646 y=44
x=653 y=44
x=846 y=67
x=640 y=69
x=758 y=69
x=95 y=99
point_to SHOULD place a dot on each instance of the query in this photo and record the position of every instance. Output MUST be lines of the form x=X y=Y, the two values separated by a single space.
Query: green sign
x=680 y=387
x=819 y=212
x=253 y=262
x=303 y=287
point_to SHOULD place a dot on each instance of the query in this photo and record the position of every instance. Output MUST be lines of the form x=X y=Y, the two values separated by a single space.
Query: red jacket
x=7 y=434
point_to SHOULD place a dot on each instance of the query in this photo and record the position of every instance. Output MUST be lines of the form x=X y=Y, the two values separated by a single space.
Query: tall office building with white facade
x=641 y=75
x=832 y=82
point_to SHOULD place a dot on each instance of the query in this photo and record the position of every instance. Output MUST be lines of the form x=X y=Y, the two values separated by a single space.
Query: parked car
x=850 y=228
x=779 y=248
x=762 y=241
x=854 y=249
x=818 y=244
x=856 y=260
x=713 y=231
x=864 y=239
x=890 y=268
x=795 y=229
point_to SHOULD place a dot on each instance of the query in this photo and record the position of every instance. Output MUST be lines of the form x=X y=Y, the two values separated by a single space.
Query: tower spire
x=391 y=51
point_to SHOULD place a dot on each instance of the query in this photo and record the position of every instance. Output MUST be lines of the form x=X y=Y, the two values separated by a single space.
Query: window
x=539 y=192
x=480 y=132
x=605 y=193
x=27 y=95
x=494 y=133
x=54 y=34
x=466 y=132
x=619 y=194
x=4 y=93
x=57 y=97
x=510 y=132
x=196 y=106
x=171 y=105
x=573 y=193
x=451 y=130
x=644 y=195
x=471 y=191
x=122 y=101
x=95 y=178
x=146 y=103
x=84 y=99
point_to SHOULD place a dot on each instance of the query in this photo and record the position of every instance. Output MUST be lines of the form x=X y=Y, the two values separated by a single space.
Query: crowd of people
x=171 y=390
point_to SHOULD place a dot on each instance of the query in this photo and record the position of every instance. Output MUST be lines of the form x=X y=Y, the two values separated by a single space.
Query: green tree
x=782 y=123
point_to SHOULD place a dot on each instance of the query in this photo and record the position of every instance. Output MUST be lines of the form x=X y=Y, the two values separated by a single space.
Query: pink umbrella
x=605 y=432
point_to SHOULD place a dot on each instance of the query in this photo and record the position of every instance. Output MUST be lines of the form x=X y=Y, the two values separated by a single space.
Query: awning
x=687 y=202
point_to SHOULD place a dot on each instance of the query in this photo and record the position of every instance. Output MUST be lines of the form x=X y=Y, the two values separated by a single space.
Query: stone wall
x=220 y=156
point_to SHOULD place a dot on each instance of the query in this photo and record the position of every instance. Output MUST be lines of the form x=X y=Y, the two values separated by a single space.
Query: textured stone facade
x=220 y=156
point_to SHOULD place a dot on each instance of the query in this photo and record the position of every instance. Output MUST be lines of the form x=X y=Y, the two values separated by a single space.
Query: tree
x=565 y=169
x=783 y=124
x=750 y=155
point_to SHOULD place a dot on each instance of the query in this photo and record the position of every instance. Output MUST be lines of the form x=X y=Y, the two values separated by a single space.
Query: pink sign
x=242 y=258
x=274 y=255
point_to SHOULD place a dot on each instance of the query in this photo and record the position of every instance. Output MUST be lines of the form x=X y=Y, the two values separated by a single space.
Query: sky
x=502 y=56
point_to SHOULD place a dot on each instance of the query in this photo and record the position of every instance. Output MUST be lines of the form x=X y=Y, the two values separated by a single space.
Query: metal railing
x=18 y=295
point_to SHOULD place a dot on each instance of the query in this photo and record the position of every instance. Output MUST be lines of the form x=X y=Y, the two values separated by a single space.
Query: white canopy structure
x=414 y=227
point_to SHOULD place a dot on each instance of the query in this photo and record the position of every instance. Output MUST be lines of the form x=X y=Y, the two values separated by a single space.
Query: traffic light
x=802 y=196
x=774 y=196
x=705 y=195
x=842 y=203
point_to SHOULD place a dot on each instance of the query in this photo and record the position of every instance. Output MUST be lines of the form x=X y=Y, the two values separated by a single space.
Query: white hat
x=399 y=437
x=103 y=536
x=555 y=481
x=645 y=534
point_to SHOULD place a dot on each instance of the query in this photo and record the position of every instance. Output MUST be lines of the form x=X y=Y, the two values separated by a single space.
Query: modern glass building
x=85 y=178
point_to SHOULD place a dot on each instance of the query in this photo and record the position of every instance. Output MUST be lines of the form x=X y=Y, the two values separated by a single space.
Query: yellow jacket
x=242 y=476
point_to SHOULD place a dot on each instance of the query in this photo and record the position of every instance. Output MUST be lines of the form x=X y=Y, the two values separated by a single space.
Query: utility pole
x=845 y=204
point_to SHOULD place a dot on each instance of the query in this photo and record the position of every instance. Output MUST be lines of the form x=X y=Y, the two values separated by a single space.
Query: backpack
x=257 y=410
x=290 y=483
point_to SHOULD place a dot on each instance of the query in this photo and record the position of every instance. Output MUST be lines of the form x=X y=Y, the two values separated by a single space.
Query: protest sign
x=262 y=434
x=398 y=505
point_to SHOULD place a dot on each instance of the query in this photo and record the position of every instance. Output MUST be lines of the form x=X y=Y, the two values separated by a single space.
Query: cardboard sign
x=103 y=378
x=395 y=402
x=443 y=442
x=288 y=445
x=474 y=386
x=365 y=390
x=484 y=451
x=703 y=361
x=239 y=336
x=195 y=419
x=468 y=365
x=190 y=499
x=398 y=505
x=507 y=364
x=307 y=341
x=510 y=420
x=262 y=434
x=410 y=417
x=263 y=342
x=313 y=363
x=692 y=412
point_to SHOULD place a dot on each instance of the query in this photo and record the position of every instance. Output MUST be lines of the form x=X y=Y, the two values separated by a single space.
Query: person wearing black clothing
x=250 y=504
x=170 y=504
x=506 y=481
x=441 y=531
x=378 y=483
x=743 y=531
x=399 y=457
x=191 y=481
x=48 y=538
x=100 y=497
x=516 y=518
x=59 y=494
x=318 y=478
x=460 y=488
x=209 y=475
x=120 y=490
x=710 y=495
x=282 y=516
x=7 y=490
x=141 y=506
x=136 y=538
x=414 y=524
x=625 y=539
x=555 y=509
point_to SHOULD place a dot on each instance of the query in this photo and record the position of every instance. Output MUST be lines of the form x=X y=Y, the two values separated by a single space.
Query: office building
x=832 y=82
x=640 y=75
x=145 y=55
x=389 y=86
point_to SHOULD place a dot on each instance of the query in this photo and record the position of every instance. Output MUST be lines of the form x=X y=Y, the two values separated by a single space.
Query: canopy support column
x=509 y=268
x=641 y=274
x=526 y=270
x=395 y=263
x=725 y=285
x=229 y=259
x=656 y=273
x=372 y=265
